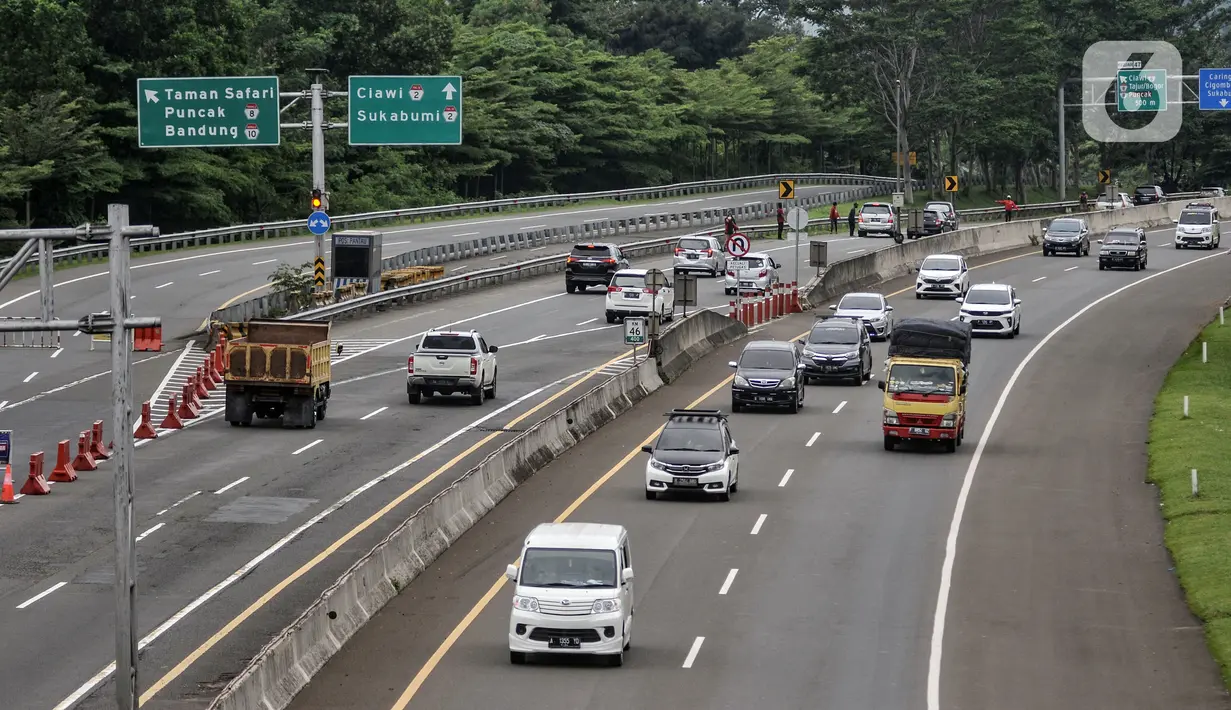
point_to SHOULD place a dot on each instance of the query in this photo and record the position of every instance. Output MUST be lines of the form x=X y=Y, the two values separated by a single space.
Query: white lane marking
x=726 y=586
x=587 y=322
x=30 y=376
x=166 y=380
x=229 y=486
x=89 y=686
x=786 y=477
x=149 y=532
x=534 y=226
x=164 y=285
x=211 y=273
x=812 y=440
x=40 y=595
x=131 y=297
x=537 y=249
x=540 y=338
x=1038 y=279
x=685 y=202
x=1164 y=244
x=302 y=449
x=267 y=261
x=751 y=203
x=466 y=234
x=497 y=258
x=3 y=402
x=57 y=353
x=366 y=417
x=76 y=333
x=756 y=527
x=946 y=570
x=692 y=652
x=1072 y=267
x=839 y=407
x=180 y=502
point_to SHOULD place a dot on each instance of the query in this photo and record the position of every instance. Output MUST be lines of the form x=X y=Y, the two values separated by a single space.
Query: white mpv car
x=942 y=275
x=628 y=296
x=993 y=309
x=573 y=592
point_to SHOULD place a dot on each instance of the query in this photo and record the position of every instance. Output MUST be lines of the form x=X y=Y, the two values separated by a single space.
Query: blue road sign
x=6 y=446
x=1214 y=89
x=318 y=223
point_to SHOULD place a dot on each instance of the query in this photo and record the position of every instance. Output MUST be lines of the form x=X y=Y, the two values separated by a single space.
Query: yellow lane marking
x=325 y=554
x=205 y=323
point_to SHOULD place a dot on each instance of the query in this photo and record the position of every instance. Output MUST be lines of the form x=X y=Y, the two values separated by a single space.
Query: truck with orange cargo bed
x=280 y=369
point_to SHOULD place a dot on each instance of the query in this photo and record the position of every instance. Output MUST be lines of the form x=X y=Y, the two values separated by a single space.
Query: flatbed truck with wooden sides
x=925 y=382
x=280 y=369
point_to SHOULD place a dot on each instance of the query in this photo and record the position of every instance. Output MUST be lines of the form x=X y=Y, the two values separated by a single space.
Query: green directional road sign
x=405 y=110
x=207 y=112
x=1141 y=90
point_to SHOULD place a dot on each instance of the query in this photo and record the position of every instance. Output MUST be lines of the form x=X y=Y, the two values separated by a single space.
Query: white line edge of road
x=41 y=594
x=98 y=678
x=946 y=570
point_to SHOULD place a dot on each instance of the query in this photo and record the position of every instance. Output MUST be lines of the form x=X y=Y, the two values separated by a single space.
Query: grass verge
x=1198 y=529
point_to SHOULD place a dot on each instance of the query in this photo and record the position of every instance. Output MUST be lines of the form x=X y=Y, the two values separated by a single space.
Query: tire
x=476 y=397
x=889 y=443
x=234 y=423
x=951 y=445
x=491 y=391
x=517 y=658
x=414 y=395
x=1017 y=329
x=320 y=412
x=1178 y=247
x=1046 y=253
x=1101 y=266
x=735 y=485
x=570 y=288
x=611 y=318
x=616 y=660
x=918 y=296
x=961 y=434
x=1011 y=334
x=650 y=495
x=867 y=376
x=736 y=407
x=725 y=496
x=793 y=407
x=863 y=235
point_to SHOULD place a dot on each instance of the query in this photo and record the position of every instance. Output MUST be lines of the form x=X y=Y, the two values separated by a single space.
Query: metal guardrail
x=88 y=253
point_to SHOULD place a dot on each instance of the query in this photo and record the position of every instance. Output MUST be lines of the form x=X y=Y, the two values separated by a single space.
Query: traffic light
x=317 y=200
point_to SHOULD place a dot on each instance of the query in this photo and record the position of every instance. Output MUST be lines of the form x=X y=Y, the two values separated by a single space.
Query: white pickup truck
x=449 y=362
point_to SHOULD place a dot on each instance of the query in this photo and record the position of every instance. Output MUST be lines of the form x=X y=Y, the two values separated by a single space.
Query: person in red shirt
x=833 y=218
x=781 y=220
x=730 y=225
x=1009 y=207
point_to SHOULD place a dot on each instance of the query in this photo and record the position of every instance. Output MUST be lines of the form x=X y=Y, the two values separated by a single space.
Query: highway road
x=818 y=584
x=257 y=522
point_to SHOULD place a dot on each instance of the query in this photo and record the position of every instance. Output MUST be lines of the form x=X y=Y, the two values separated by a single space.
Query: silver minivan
x=877 y=218
x=700 y=254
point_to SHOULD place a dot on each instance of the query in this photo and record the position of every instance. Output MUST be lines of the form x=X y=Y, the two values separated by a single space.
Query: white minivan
x=573 y=592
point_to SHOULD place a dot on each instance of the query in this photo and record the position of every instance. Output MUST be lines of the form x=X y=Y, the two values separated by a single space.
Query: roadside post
x=818 y=255
x=797 y=220
x=634 y=334
x=737 y=246
x=656 y=281
x=685 y=291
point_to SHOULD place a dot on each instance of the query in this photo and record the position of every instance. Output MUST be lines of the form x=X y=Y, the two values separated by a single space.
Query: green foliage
x=295 y=283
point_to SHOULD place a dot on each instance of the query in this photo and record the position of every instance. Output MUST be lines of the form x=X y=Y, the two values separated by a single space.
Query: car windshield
x=448 y=342
x=545 y=567
x=690 y=438
x=1114 y=238
x=593 y=251
x=941 y=263
x=921 y=379
x=834 y=335
x=754 y=262
x=1064 y=226
x=1145 y=191
x=989 y=296
x=937 y=206
x=860 y=303
x=876 y=209
x=696 y=244
x=628 y=281
x=1195 y=217
x=767 y=359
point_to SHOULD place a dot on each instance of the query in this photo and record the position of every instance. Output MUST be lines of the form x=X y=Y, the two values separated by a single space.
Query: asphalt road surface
x=244 y=527
x=817 y=585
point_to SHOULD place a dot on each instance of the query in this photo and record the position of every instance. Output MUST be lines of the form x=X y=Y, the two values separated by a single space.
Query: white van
x=573 y=592
x=1198 y=227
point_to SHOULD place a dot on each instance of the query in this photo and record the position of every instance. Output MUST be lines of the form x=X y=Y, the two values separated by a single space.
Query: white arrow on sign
x=151 y=95
x=1223 y=103
x=449 y=91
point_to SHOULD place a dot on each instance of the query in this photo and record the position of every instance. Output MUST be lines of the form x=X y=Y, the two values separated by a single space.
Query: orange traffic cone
x=6 y=492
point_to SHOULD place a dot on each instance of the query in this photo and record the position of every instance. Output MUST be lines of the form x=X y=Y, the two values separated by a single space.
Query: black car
x=838 y=348
x=769 y=374
x=1123 y=247
x=694 y=453
x=1068 y=235
x=592 y=264
x=1148 y=195
x=948 y=211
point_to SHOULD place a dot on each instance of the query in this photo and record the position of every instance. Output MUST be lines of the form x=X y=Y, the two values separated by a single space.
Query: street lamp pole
x=897 y=119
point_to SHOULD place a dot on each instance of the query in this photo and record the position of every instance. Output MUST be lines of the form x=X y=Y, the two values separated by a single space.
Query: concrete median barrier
x=693 y=338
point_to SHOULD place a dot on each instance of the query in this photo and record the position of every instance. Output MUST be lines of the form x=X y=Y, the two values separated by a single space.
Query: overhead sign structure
x=1104 y=177
x=405 y=110
x=797 y=219
x=207 y=112
x=950 y=183
x=786 y=189
x=738 y=245
x=1214 y=89
x=634 y=331
x=1141 y=90
x=318 y=222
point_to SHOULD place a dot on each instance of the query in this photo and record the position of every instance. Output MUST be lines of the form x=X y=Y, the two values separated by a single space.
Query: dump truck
x=280 y=369
x=925 y=382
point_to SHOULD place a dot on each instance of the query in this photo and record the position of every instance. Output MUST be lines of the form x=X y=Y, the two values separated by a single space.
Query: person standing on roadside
x=730 y=226
x=1009 y=206
x=781 y=220
x=833 y=218
x=852 y=217
x=1085 y=201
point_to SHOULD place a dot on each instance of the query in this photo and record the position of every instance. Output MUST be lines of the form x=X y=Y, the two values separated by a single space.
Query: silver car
x=877 y=218
x=761 y=274
x=700 y=254
x=871 y=309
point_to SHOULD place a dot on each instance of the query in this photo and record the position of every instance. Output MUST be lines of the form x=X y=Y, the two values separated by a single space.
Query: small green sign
x=405 y=110
x=207 y=112
x=1141 y=90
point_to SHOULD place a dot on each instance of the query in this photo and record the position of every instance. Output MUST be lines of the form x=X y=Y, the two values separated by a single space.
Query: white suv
x=942 y=275
x=993 y=309
x=573 y=592
x=452 y=362
x=628 y=295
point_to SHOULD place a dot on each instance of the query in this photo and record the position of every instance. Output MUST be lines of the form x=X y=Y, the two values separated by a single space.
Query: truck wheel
x=476 y=396
x=413 y=395
x=491 y=391
x=889 y=442
x=320 y=411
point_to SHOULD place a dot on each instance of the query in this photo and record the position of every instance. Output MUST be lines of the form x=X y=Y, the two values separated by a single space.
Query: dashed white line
x=302 y=449
x=1072 y=267
x=30 y=376
x=726 y=586
x=466 y=234
x=839 y=407
x=537 y=249
x=692 y=652
x=76 y=333
x=211 y=273
x=751 y=203
x=955 y=317
x=1038 y=279
x=535 y=226
x=2 y=403
x=497 y=258
x=229 y=486
x=179 y=502
x=756 y=528
x=812 y=440
x=40 y=595
x=786 y=477
x=267 y=261
x=149 y=532
x=57 y=352
x=164 y=285
x=587 y=322
x=368 y=416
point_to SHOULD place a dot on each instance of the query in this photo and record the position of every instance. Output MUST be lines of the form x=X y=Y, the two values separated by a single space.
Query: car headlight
x=740 y=381
x=851 y=357
x=655 y=463
x=949 y=421
x=787 y=384
x=525 y=603
x=603 y=606
x=717 y=466
x=891 y=417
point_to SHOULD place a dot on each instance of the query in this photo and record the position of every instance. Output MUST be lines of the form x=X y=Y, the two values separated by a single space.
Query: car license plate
x=747 y=284
x=683 y=481
x=694 y=257
x=564 y=642
x=763 y=398
x=439 y=381
x=919 y=431
x=632 y=295
x=986 y=322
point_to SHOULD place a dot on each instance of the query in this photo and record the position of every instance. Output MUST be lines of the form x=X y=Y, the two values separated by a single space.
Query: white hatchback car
x=993 y=309
x=942 y=275
x=628 y=295
x=760 y=276
x=572 y=592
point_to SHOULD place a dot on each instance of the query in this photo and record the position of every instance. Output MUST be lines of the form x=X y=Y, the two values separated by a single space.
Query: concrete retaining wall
x=693 y=338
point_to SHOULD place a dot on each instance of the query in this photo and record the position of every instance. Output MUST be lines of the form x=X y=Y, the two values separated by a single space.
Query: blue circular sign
x=318 y=222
